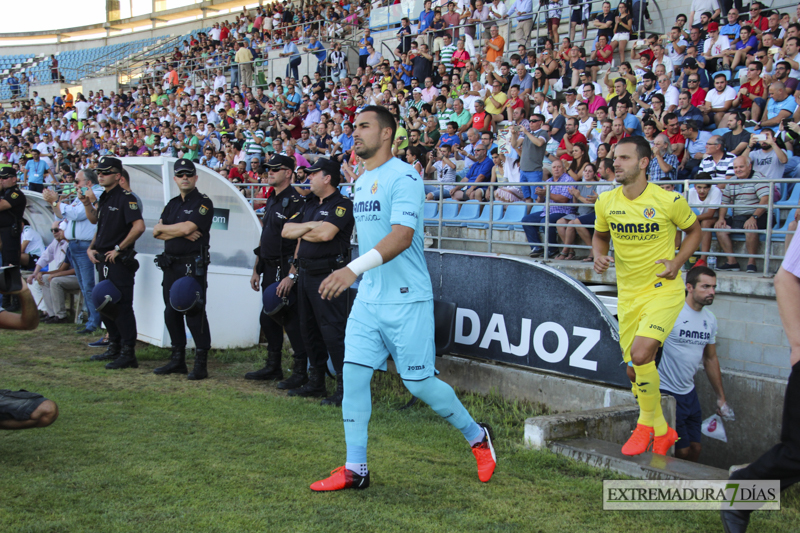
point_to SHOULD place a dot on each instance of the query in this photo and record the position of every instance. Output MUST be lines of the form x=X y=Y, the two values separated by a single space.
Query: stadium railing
x=480 y=218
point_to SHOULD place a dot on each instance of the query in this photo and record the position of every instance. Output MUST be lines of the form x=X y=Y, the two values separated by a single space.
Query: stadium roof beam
x=133 y=22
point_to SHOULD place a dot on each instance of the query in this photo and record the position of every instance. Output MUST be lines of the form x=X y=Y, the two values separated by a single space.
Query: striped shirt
x=446 y=55
x=657 y=174
x=746 y=194
x=563 y=190
x=252 y=146
x=718 y=171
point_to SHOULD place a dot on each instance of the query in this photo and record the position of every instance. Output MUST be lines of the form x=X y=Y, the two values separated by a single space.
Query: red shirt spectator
x=223 y=33
x=698 y=97
x=754 y=90
x=298 y=127
x=577 y=137
x=762 y=23
x=235 y=174
x=614 y=140
x=479 y=121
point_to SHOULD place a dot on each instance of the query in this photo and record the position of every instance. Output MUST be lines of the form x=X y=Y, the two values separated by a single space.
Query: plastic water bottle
x=712 y=262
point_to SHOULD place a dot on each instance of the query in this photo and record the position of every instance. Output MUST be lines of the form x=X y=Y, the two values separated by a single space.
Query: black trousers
x=198 y=323
x=322 y=322
x=273 y=330
x=782 y=461
x=12 y=247
x=123 y=329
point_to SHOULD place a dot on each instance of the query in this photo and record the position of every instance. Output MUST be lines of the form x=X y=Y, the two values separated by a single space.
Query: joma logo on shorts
x=417 y=367
x=659 y=328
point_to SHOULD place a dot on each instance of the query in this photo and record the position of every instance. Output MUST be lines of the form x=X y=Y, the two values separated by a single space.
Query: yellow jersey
x=643 y=231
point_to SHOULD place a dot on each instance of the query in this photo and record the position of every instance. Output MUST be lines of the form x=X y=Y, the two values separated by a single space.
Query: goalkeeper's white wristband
x=366 y=262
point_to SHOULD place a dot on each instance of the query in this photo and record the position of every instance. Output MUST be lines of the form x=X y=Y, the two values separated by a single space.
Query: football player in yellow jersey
x=641 y=218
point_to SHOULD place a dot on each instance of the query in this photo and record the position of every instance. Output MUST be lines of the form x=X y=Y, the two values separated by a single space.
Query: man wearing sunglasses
x=119 y=225
x=272 y=262
x=184 y=226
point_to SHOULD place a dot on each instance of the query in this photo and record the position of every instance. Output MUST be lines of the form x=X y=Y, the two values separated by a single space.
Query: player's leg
x=410 y=339
x=364 y=352
x=688 y=419
x=657 y=320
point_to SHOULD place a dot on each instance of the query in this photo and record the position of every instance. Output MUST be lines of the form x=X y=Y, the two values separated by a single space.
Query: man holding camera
x=323 y=230
x=119 y=224
x=184 y=227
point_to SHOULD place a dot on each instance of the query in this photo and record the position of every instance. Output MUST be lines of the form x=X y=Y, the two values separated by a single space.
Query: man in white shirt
x=670 y=93
x=700 y=196
x=714 y=46
x=661 y=59
x=676 y=49
x=50 y=287
x=718 y=101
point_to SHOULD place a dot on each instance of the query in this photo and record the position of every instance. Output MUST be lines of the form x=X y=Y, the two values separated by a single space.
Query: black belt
x=320 y=266
x=271 y=262
x=182 y=258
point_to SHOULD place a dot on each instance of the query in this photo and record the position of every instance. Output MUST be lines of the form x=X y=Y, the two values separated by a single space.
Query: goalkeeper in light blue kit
x=393 y=313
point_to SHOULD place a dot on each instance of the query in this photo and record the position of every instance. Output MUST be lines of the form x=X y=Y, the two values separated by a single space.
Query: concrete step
x=604 y=454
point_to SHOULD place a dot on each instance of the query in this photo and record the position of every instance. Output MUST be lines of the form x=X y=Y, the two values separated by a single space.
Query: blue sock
x=356 y=411
x=443 y=400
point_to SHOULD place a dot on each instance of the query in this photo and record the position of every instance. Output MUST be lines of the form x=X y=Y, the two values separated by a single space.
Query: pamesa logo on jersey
x=649 y=213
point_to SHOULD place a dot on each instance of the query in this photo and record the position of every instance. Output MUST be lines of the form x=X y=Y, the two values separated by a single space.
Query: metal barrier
x=546 y=225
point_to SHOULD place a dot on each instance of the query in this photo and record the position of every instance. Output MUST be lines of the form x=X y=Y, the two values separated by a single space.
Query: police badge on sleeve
x=203 y=210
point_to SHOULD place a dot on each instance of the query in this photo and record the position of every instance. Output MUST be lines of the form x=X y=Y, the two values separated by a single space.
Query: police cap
x=274 y=304
x=327 y=167
x=107 y=163
x=106 y=296
x=7 y=172
x=185 y=166
x=185 y=296
x=277 y=161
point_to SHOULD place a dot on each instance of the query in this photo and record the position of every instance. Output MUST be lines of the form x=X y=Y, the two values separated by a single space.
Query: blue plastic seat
x=470 y=210
x=429 y=213
x=449 y=210
x=482 y=222
x=513 y=216
x=720 y=131
x=787 y=203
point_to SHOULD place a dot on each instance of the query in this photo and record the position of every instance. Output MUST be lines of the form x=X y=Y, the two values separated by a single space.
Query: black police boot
x=335 y=398
x=12 y=305
x=315 y=388
x=199 y=371
x=126 y=359
x=176 y=365
x=299 y=375
x=111 y=353
x=271 y=371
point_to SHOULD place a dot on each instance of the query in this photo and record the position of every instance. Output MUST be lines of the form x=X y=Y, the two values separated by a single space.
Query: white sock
x=479 y=439
x=359 y=468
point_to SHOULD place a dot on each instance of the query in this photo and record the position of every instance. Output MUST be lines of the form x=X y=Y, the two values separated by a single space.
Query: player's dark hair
x=642 y=145
x=385 y=118
x=695 y=273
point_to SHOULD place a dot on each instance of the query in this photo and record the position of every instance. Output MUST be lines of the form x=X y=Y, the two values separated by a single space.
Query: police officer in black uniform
x=12 y=207
x=323 y=228
x=272 y=264
x=184 y=227
x=119 y=224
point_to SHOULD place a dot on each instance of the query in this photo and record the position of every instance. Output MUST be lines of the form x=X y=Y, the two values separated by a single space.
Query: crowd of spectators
x=473 y=109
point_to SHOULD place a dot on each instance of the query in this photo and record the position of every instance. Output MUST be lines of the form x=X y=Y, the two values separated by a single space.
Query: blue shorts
x=688 y=418
x=406 y=331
